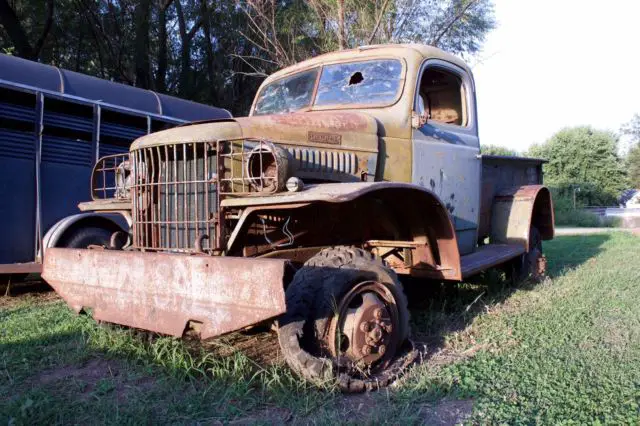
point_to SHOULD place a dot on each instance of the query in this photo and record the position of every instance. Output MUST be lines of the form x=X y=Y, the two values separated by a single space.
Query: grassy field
x=566 y=350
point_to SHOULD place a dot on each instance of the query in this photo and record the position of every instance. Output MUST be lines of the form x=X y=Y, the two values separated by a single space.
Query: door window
x=442 y=92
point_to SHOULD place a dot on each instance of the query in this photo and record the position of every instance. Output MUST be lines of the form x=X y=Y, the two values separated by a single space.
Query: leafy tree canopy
x=632 y=131
x=586 y=158
x=499 y=150
x=218 y=51
x=633 y=164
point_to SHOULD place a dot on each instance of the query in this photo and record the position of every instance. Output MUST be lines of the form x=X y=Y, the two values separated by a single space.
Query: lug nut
x=378 y=313
x=382 y=349
x=364 y=327
x=366 y=350
x=376 y=334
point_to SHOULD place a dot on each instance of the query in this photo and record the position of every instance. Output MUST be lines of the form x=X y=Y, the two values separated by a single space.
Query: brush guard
x=168 y=293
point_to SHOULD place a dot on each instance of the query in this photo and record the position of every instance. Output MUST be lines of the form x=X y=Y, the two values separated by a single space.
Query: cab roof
x=411 y=52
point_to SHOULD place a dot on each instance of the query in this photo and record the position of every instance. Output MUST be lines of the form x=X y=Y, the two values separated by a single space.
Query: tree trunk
x=185 y=55
x=341 y=33
x=48 y=23
x=206 y=26
x=161 y=76
x=185 y=52
x=142 y=63
x=16 y=33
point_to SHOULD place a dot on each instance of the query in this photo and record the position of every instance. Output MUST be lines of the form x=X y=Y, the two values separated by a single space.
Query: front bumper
x=165 y=292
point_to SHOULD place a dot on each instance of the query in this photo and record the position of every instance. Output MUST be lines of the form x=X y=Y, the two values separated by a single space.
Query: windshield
x=374 y=82
x=287 y=94
x=363 y=83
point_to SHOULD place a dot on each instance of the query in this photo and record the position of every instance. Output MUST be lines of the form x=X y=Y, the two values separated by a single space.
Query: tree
x=630 y=133
x=632 y=129
x=290 y=31
x=586 y=158
x=217 y=52
x=633 y=166
x=498 y=150
x=18 y=33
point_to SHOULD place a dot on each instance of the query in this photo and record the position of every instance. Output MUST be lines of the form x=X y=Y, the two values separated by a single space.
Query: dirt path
x=590 y=231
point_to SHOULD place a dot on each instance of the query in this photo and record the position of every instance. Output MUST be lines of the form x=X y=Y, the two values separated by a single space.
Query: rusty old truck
x=352 y=170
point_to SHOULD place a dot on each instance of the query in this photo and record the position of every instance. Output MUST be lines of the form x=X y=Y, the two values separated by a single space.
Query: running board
x=487 y=256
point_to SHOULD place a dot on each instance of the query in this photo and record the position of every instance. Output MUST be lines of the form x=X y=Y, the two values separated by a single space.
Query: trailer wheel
x=532 y=265
x=86 y=236
x=347 y=319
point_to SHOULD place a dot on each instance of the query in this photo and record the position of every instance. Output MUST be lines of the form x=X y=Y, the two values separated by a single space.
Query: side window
x=444 y=98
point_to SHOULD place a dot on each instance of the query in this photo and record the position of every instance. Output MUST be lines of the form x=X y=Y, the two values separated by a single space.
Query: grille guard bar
x=177 y=189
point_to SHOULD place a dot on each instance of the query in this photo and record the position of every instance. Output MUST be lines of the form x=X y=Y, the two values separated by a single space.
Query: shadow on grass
x=80 y=372
x=571 y=251
x=439 y=309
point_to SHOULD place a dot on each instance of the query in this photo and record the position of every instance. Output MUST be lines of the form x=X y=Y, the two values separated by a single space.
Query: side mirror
x=419 y=116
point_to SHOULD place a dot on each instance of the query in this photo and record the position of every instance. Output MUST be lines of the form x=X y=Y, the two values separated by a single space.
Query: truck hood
x=322 y=146
x=335 y=130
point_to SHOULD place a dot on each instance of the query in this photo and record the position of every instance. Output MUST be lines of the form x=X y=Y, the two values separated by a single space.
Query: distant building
x=634 y=201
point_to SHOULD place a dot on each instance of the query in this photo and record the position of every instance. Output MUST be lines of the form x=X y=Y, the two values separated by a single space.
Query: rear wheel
x=347 y=319
x=531 y=265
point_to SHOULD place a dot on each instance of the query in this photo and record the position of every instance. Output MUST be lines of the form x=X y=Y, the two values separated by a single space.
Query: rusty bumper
x=164 y=292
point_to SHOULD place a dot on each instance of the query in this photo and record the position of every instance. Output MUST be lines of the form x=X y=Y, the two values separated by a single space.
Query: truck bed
x=500 y=173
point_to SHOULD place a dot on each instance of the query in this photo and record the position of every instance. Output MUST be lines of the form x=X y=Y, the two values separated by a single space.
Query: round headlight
x=267 y=167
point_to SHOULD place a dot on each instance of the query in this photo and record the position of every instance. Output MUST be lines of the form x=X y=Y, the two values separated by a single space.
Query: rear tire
x=531 y=265
x=346 y=319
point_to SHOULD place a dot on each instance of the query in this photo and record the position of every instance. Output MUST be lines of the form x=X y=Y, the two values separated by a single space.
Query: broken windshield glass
x=363 y=83
x=287 y=94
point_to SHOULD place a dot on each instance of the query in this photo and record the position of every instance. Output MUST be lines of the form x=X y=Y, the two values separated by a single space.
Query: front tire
x=346 y=319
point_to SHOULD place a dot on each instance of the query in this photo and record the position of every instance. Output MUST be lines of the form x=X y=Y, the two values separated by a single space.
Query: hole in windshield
x=339 y=84
x=356 y=78
x=345 y=83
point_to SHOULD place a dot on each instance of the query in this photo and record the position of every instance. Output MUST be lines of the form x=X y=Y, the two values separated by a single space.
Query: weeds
x=566 y=350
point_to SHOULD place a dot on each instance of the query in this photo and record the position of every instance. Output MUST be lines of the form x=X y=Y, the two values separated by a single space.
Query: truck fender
x=419 y=210
x=516 y=210
x=63 y=227
x=428 y=221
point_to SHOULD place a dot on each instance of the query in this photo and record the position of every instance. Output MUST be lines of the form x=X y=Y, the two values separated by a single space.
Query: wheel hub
x=363 y=330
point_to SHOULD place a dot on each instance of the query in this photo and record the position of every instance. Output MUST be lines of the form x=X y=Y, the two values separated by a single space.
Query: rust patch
x=345 y=121
x=166 y=292
x=522 y=193
x=325 y=138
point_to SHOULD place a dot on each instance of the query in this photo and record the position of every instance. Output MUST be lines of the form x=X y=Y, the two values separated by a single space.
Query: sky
x=554 y=64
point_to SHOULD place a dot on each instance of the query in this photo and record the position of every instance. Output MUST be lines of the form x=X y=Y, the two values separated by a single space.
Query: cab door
x=446 y=150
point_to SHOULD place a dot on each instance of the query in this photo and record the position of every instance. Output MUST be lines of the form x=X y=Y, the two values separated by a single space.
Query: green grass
x=585 y=219
x=564 y=351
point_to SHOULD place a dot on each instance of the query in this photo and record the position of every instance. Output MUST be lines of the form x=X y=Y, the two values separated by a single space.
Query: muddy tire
x=346 y=320
x=531 y=265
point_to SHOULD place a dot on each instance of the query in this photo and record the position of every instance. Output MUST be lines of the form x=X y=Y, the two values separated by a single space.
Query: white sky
x=552 y=64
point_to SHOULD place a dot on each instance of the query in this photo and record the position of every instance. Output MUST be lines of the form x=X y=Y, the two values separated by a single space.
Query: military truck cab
x=351 y=169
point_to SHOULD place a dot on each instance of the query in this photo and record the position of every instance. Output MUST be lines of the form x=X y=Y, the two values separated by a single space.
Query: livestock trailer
x=54 y=125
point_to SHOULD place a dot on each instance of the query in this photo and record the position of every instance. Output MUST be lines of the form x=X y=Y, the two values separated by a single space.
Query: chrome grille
x=175 y=197
x=329 y=162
